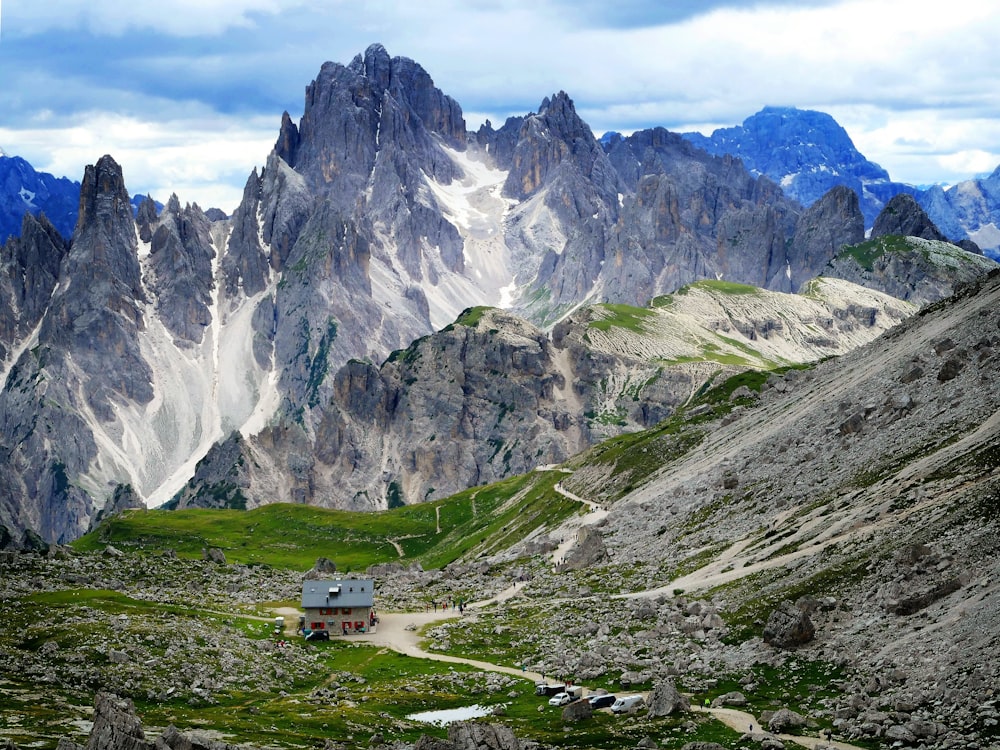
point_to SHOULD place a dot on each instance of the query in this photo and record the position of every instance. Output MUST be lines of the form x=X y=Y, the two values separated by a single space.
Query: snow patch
x=27 y=196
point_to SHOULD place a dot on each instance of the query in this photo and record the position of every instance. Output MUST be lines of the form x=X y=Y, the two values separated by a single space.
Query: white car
x=560 y=699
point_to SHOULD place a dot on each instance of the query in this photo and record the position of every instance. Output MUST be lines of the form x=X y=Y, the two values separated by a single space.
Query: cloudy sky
x=187 y=94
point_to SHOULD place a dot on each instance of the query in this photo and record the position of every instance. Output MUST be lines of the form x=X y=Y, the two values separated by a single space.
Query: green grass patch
x=722 y=287
x=621 y=316
x=866 y=253
x=292 y=536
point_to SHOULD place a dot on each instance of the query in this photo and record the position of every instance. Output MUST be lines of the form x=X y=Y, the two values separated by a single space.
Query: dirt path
x=575 y=523
x=400 y=632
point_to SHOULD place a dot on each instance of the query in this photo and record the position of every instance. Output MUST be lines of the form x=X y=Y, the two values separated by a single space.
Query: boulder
x=734 y=698
x=213 y=554
x=323 y=568
x=788 y=627
x=589 y=550
x=474 y=735
x=577 y=711
x=667 y=700
x=785 y=719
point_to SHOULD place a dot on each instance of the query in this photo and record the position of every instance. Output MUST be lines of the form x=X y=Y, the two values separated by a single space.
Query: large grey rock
x=666 y=700
x=468 y=735
x=788 y=627
x=785 y=719
x=580 y=710
x=116 y=725
x=588 y=550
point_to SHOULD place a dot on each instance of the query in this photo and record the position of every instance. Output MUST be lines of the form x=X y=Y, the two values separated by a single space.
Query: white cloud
x=893 y=74
x=202 y=160
x=115 y=17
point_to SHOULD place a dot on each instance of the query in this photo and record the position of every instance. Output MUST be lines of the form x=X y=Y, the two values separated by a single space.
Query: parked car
x=561 y=699
x=627 y=703
x=318 y=635
x=602 y=701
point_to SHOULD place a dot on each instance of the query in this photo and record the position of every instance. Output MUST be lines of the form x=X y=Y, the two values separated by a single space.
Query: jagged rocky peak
x=352 y=112
x=554 y=135
x=145 y=218
x=180 y=264
x=903 y=216
x=822 y=231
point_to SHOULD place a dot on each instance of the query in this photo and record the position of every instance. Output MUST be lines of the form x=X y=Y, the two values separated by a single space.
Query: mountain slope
x=23 y=190
x=868 y=482
x=492 y=395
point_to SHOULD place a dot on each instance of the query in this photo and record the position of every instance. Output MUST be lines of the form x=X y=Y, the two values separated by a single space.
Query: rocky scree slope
x=864 y=493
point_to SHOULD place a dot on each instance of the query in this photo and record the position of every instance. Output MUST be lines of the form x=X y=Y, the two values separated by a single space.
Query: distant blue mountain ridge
x=808 y=152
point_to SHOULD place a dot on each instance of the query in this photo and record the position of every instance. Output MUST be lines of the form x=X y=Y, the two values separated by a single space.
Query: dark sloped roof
x=338 y=592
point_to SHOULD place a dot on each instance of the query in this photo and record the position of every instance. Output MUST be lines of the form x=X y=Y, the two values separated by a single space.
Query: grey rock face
x=123 y=498
x=822 y=231
x=694 y=216
x=29 y=270
x=180 y=264
x=116 y=725
x=472 y=404
x=903 y=216
x=788 y=627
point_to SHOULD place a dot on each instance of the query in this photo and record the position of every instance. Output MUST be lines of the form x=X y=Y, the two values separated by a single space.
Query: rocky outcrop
x=909 y=258
x=488 y=397
x=903 y=216
x=180 y=270
x=116 y=725
x=29 y=270
x=588 y=550
x=324 y=568
x=822 y=231
x=123 y=498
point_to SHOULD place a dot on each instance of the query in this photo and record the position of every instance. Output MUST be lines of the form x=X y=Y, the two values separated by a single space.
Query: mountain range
x=400 y=308
x=808 y=152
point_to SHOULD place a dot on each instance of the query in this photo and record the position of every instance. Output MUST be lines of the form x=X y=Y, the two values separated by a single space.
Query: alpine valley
x=673 y=420
x=313 y=348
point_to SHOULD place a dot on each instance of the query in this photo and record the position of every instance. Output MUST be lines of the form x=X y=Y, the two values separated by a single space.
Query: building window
x=347 y=611
x=317 y=626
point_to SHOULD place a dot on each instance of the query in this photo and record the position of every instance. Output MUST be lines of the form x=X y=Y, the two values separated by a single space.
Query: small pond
x=448 y=715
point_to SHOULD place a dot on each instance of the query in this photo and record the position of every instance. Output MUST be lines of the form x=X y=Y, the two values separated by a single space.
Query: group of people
x=458 y=604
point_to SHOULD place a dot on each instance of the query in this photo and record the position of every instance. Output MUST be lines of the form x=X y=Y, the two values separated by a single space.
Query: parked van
x=627 y=703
